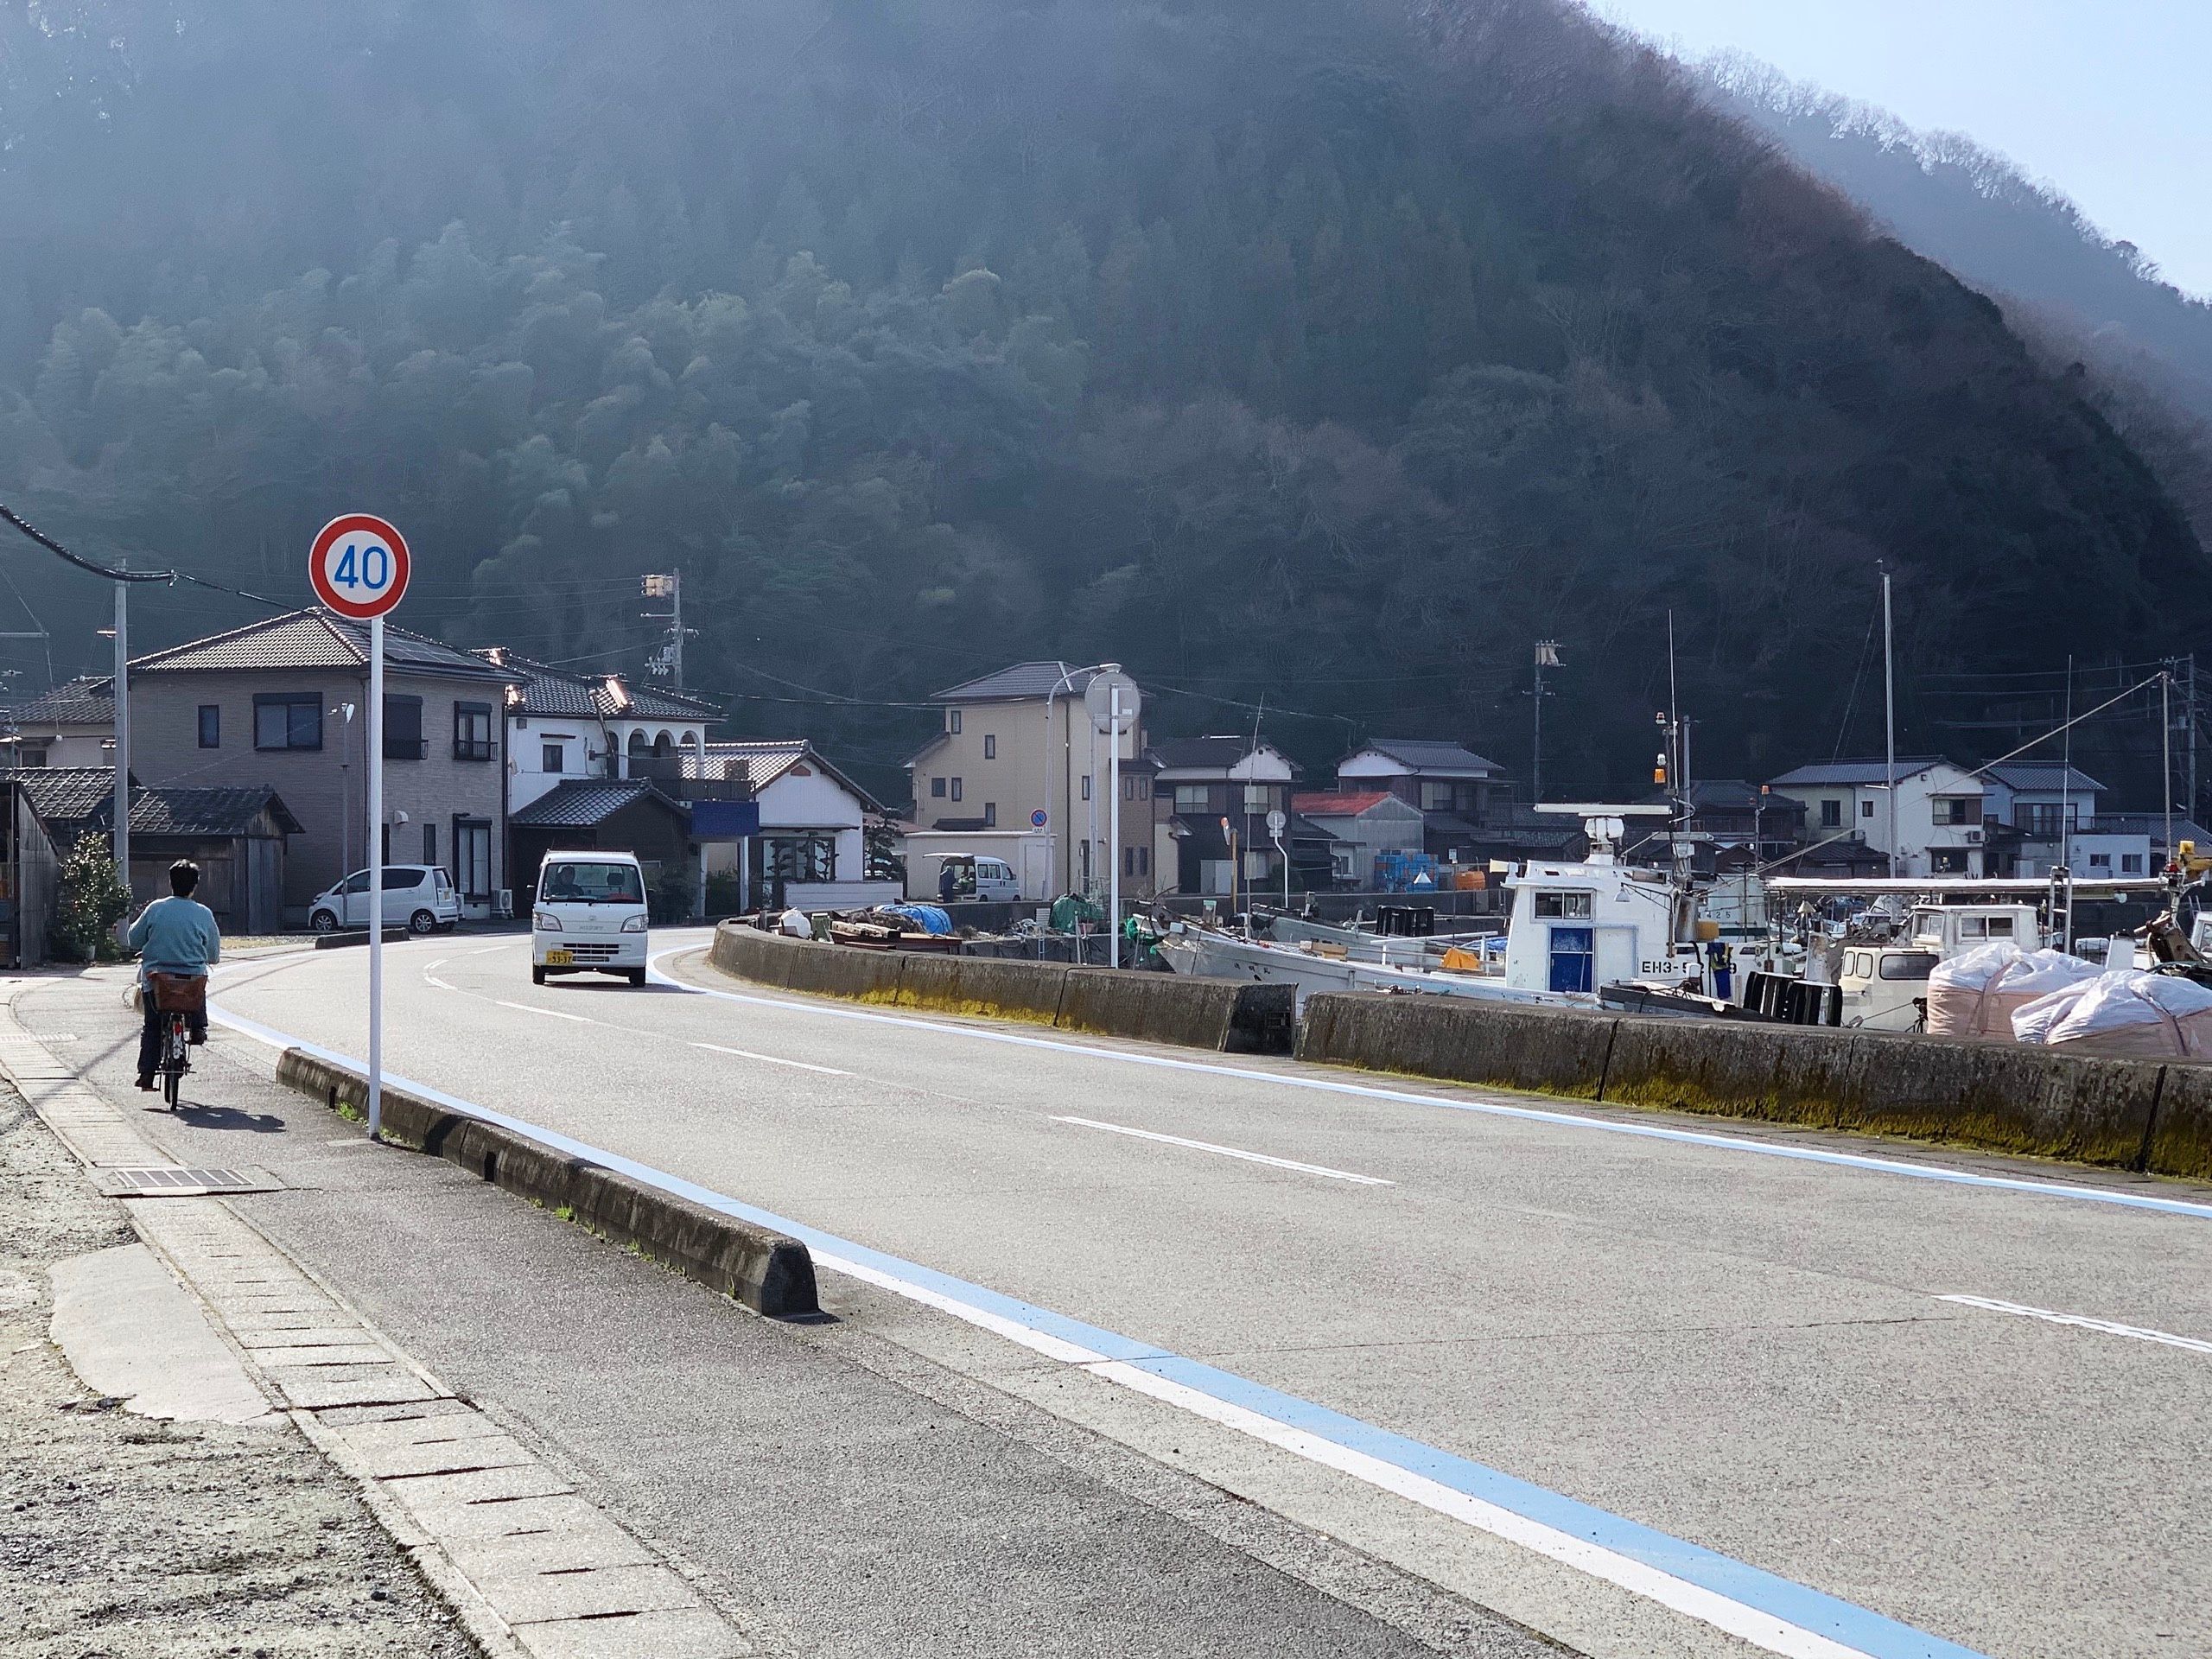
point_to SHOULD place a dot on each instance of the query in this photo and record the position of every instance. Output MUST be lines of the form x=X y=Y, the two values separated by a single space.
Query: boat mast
x=1890 y=715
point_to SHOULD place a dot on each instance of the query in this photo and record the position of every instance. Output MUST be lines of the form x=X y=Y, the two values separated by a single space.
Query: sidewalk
x=133 y=1538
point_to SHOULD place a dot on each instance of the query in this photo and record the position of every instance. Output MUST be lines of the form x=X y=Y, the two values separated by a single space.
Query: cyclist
x=175 y=935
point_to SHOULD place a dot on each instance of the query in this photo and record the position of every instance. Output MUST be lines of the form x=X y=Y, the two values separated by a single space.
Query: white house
x=562 y=725
x=813 y=848
x=72 y=725
x=1939 y=809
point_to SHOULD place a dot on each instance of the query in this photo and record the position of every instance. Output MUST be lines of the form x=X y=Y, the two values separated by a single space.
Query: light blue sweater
x=176 y=936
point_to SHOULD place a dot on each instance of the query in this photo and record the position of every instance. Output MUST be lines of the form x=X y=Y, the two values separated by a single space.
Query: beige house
x=1019 y=766
x=280 y=702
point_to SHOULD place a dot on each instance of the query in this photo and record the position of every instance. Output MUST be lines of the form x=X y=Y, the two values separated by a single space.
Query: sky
x=2107 y=99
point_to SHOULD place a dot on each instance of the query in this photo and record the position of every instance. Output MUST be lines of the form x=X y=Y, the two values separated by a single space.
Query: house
x=1939 y=812
x=1216 y=788
x=631 y=815
x=1510 y=832
x=2042 y=813
x=1361 y=825
x=1433 y=775
x=277 y=703
x=236 y=834
x=1019 y=771
x=1738 y=827
x=72 y=725
x=560 y=725
x=810 y=847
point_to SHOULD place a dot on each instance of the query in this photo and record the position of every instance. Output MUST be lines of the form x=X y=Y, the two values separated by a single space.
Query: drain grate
x=174 y=1182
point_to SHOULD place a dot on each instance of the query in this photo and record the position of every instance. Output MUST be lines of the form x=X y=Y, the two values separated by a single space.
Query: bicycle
x=176 y=996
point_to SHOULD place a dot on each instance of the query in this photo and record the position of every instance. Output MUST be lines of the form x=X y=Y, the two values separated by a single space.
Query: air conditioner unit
x=503 y=903
x=1973 y=837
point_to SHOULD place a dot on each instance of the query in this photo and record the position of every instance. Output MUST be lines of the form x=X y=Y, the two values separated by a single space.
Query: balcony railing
x=471 y=748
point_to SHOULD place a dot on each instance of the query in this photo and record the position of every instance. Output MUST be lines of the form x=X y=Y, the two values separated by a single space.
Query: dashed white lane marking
x=2082 y=1321
x=773 y=1059
x=1227 y=1152
x=550 y=1014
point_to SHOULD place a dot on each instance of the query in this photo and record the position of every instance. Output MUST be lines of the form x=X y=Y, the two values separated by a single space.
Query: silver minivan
x=419 y=897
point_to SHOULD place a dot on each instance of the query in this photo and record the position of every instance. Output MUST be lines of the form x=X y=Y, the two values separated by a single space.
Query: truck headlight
x=545 y=923
x=635 y=925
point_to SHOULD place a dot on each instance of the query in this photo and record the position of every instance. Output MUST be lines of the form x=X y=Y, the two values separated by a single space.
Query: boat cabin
x=1578 y=926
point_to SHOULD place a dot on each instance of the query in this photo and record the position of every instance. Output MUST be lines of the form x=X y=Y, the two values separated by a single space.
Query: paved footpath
x=822 y=1489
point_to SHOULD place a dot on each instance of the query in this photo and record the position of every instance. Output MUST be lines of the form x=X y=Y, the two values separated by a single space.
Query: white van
x=978 y=877
x=589 y=917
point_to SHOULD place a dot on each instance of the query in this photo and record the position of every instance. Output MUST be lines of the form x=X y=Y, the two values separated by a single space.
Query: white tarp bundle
x=2034 y=1022
x=2133 y=1015
x=1976 y=993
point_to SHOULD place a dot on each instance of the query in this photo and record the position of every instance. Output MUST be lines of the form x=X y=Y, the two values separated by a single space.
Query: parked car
x=589 y=917
x=418 y=897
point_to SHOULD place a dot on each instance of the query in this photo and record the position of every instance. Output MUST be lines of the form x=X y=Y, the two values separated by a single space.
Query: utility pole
x=670 y=659
x=123 y=734
x=1890 y=716
x=1547 y=657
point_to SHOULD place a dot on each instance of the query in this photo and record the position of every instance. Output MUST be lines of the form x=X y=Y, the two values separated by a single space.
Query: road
x=1711 y=1336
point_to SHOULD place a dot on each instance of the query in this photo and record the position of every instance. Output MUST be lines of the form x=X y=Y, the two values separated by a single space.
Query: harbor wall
x=1227 y=1015
x=2136 y=1115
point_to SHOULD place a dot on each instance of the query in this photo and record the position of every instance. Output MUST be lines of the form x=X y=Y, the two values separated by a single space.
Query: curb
x=767 y=1271
x=357 y=936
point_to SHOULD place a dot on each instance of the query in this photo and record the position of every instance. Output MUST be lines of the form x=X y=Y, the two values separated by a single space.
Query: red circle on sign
x=359 y=566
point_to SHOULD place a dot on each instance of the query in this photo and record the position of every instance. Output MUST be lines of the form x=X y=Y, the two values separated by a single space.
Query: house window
x=1946 y=860
x=1135 y=787
x=1957 y=808
x=990 y=747
x=211 y=725
x=33 y=758
x=1865 y=808
x=956 y=789
x=2130 y=863
x=800 y=858
x=937 y=789
x=287 y=720
x=429 y=842
x=990 y=815
x=1086 y=786
x=1189 y=797
x=1831 y=815
x=553 y=757
x=2101 y=860
x=403 y=728
x=952 y=722
x=1136 y=860
x=1258 y=798
x=1563 y=906
x=471 y=731
x=1439 y=797
x=472 y=858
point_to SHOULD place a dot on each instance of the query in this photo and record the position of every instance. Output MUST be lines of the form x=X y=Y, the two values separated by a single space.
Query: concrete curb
x=767 y=1271
x=357 y=936
x=1227 y=1015
x=2135 y=1114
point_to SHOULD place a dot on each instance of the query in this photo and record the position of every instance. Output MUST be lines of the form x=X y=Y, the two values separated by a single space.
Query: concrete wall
x=165 y=748
x=2005 y=1097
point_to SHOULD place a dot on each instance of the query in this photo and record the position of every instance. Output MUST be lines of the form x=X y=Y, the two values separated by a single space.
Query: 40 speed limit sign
x=359 y=566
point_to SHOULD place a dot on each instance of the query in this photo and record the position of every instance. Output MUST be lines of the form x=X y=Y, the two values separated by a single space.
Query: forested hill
x=1323 y=353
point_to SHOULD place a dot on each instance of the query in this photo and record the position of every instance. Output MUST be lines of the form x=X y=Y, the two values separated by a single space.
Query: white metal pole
x=123 y=738
x=374 y=766
x=1889 y=718
x=1114 y=823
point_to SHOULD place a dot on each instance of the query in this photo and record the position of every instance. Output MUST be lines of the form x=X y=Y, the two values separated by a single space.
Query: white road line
x=1227 y=1151
x=550 y=1014
x=773 y=1060
x=430 y=968
x=2138 y=1333
x=432 y=979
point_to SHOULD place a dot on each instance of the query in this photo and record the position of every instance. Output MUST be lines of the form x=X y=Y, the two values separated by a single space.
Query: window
x=937 y=788
x=1985 y=927
x=990 y=815
x=800 y=858
x=211 y=725
x=553 y=757
x=403 y=728
x=990 y=747
x=1564 y=906
x=1136 y=860
x=1831 y=815
x=1258 y=798
x=1086 y=786
x=33 y=758
x=1439 y=797
x=1189 y=797
x=956 y=789
x=1957 y=808
x=952 y=722
x=429 y=842
x=471 y=731
x=592 y=883
x=1865 y=808
x=2101 y=860
x=2130 y=863
x=1908 y=964
x=2042 y=818
x=472 y=857
x=1137 y=788
x=287 y=720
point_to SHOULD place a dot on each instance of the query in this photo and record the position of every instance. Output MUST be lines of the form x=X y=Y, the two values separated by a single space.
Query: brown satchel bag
x=179 y=993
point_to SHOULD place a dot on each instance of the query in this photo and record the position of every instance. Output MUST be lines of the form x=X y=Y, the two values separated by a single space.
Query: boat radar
x=1606 y=825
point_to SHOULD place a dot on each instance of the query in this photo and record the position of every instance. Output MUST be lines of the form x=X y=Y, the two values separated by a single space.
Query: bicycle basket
x=179 y=993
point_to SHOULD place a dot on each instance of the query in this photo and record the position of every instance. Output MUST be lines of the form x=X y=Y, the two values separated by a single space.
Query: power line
x=55 y=548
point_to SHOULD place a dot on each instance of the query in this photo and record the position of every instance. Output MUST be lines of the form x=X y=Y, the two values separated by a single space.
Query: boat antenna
x=2166 y=722
x=1889 y=706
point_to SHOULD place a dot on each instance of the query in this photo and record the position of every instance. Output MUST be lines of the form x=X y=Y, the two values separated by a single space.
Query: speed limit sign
x=359 y=566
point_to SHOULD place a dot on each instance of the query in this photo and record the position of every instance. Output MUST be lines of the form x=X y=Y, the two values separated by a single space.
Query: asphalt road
x=1749 y=1352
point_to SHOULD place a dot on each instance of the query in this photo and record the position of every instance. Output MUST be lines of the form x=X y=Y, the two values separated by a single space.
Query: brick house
x=268 y=704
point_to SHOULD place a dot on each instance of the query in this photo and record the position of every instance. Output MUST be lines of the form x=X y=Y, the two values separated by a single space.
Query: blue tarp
x=928 y=918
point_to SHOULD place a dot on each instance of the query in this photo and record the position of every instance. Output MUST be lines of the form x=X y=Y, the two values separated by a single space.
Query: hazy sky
x=2106 y=98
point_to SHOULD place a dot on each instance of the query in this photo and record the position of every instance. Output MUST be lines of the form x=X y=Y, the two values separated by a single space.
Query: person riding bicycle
x=175 y=935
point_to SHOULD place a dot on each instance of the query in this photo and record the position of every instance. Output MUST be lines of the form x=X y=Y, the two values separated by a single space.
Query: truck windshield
x=593 y=884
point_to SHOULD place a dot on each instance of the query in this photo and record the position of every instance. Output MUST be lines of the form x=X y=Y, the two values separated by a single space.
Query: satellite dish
x=1099 y=698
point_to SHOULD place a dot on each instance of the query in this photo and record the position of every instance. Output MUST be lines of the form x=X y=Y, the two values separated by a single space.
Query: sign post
x=359 y=568
x=1112 y=700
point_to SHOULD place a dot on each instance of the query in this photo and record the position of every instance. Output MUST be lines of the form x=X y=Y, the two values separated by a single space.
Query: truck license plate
x=559 y=958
